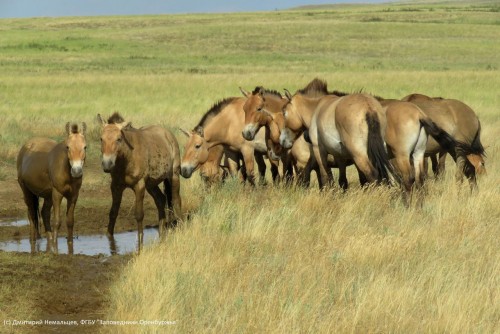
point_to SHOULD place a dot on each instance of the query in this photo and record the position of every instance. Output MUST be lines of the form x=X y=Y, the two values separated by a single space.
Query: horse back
x=33 y=166
x=159 y=150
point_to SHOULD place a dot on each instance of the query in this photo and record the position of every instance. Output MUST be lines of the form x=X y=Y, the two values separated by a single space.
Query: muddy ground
x=65 y=287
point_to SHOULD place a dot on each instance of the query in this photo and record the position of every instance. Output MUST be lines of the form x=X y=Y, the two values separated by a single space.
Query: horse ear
x=187 y=133
x=244 y=92
x=127 y=126
x=100 y=120
x=199 y=131
x=68 y=128
x=84 y=128
x=288 y=95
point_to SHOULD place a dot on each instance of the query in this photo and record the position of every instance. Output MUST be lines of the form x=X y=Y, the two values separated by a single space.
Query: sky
x=55 y=8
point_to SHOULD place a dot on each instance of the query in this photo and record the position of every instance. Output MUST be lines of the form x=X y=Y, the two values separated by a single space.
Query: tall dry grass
x=286 y=260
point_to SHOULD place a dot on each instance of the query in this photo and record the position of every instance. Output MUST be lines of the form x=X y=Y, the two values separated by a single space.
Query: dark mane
x=216 y=108
x=260 y=89
x=116 y=118
x=74 y=128
x=314 y=88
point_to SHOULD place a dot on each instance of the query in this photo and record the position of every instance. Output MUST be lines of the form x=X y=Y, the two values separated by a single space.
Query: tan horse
x=348 y=127
x=406 y=137
x=460 y=121
x=261 y=107
x=141 y=159
x=52 y=171
x=223 y=125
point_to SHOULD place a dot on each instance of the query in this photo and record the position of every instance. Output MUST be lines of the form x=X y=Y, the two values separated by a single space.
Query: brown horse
x=261 y=107
x=141 y=159
x=460 y=121
x=222 y=125
x=406 y=137
x=347 y=127
x=52 y=171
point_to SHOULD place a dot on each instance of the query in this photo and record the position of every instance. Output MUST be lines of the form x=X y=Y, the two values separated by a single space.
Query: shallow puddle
x=125 y=242
x=14 y=223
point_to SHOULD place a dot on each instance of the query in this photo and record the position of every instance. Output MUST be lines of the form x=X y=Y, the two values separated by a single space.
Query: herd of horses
x=387 y=140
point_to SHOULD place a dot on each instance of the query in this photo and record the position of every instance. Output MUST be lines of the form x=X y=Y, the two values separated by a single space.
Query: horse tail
x=377 y=153
x=444 y=139
x=476 y=146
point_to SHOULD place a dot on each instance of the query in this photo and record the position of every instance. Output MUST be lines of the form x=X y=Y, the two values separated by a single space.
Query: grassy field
x=276 y=259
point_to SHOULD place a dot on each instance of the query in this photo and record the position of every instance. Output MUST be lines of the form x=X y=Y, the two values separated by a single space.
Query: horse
x=260 y=108
x=52 y=171
x=222 y=124
x=347 y=127
x=406 y=138
x=141 y=159
x=460 y=121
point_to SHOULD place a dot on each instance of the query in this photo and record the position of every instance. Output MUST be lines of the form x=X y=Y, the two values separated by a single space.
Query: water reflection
x=14 y=223
x=122 y=243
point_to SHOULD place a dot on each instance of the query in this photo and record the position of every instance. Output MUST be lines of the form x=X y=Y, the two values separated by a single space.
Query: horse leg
x=261 y=165
x=362 y=177
x=326 y=177
x=31 y=202
x=407 y=174
x=434 y=164
x=56 y=201
x=116 y=193
x=139 y=190
x=70 y=221
x=441 y=163
x=172 y=190
x=287 y=167
x=343 y=183
x=248 y=158
x=160 y=201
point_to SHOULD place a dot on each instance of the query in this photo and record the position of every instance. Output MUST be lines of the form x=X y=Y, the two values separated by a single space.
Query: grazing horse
x=460 y=121
x=52 y=171
x=222 y=125
x=141 y=159
x=406 y=136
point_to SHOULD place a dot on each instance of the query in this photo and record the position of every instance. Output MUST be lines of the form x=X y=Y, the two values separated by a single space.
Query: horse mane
x=116 y=118
x=359 y=91
x=262 y=90
x=74 y=128
x=315 y=87
x=216 y=108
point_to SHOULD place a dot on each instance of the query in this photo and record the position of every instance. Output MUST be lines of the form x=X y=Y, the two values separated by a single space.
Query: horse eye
x=67 y=147
x=85 y=148
x=119 y=140
x=259 y=109
x=197 y=146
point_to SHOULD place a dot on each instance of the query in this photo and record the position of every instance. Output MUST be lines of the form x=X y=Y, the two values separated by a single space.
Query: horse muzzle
x=107 y=163
x=187 y=171
x=76 y=169
x=249 y=132
x=285 y=141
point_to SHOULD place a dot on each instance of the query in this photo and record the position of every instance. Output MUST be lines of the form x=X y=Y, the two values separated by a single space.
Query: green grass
x=250 y=260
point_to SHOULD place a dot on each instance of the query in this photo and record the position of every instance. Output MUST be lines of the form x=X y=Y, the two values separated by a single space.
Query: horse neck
x=229 y=120
x=306 y=109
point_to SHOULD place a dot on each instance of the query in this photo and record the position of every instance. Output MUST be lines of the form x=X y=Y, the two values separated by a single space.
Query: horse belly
x=35 y=177
x=332 y=143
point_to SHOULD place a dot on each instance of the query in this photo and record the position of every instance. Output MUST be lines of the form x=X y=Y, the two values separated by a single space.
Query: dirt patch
x=62 y=287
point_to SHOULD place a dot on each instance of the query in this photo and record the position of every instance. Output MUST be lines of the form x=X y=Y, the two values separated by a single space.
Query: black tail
x=376 y=149
x=446 y=141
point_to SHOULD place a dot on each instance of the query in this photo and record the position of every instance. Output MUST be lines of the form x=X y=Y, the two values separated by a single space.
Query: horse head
x=113 y=140
x=256 y=113
x=76 y=147
x=195 y=151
